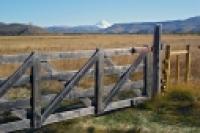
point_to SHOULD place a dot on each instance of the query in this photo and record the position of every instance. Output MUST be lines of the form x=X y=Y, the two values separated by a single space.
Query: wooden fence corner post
x=36 y=94
x=157 y=61
x=188 y=63
x=99 y=85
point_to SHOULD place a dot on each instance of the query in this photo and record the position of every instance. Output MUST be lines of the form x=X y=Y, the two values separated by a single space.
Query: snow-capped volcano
x=103 y=24
x=97 y=28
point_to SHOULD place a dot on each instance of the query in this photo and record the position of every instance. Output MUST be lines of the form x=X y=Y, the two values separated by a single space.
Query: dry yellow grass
x=67 y=43
x=24 y=44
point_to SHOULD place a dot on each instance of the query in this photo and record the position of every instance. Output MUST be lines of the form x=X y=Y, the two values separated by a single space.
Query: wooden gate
x=42 y=115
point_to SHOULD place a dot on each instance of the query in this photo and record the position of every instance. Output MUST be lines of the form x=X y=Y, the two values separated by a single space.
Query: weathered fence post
x=148 y=69
x=99 y=82
x=157 y=61
x=177 y=69
x=187 y=72
x=167 y=66
x=36 y=95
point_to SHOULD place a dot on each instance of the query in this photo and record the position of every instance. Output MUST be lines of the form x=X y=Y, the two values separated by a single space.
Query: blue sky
x=83 y=12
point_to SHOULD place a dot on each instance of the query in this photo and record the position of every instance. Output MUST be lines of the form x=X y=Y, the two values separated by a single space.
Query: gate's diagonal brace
x=4 y=87
x=68 y=86
x=124 y=78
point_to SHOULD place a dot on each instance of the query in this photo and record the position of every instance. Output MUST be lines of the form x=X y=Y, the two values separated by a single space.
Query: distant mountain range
x=20 y=29
x=191 y=25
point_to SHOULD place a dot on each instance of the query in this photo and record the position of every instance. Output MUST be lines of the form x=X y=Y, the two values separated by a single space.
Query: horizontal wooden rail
x=77 y=93
x=66 y=75
x=19 y=58
x=178 y=52
x=66 y=115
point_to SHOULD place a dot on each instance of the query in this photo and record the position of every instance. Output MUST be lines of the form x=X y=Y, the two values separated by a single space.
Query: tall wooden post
x=157 y=61
x=187 y=73
x=167 y=65
x=148 y=69
x=36 y=95
x=99 y=106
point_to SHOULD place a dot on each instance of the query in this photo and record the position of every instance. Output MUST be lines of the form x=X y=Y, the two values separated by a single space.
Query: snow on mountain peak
x=103 y=24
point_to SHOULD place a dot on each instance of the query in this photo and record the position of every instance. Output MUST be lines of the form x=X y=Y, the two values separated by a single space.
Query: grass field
x=162 y=116
x=176 y=112
x=25 y=44
x=67 y=43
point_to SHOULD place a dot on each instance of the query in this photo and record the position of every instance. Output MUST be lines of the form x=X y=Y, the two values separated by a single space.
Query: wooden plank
x=188 y=64
x=49 y=56
x=99 y=85
x=178 y=52
x=36 y=94
x=14 y=126
x=168 y=65
x=68 y=86
x=22 y=114
x=148 y=72
x=177 y=68
x=78 y=93
x=124 y=78
x=11 y=59
x=157 y=61
x=139 y=100
x=57 y=117
x=67 y=75
x=66 y=115
x=118 y=51
x=15 y=104
x=23 y=80
x=5 y=86
x=141 y=49
x=125 y=103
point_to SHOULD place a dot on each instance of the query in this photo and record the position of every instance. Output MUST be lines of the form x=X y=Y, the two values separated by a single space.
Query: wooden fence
x=97 y=100
x=167 y=65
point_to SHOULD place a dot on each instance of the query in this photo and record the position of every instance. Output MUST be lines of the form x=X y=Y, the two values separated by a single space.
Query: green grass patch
x=178 y=111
